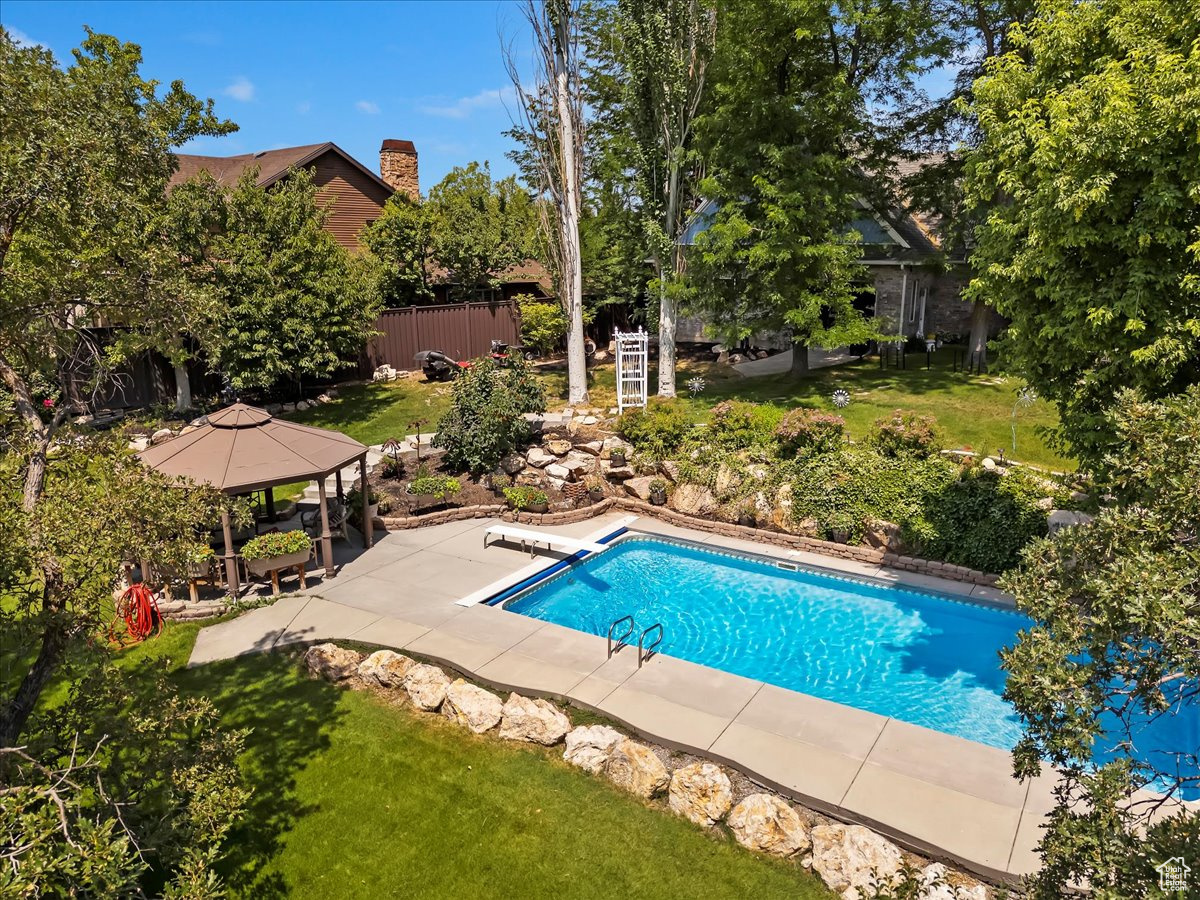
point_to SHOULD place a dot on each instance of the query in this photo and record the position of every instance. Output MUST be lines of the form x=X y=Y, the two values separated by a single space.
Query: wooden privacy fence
x=462 y=330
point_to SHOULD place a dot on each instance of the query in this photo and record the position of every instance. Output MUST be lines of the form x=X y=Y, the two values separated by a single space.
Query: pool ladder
x=645 y=650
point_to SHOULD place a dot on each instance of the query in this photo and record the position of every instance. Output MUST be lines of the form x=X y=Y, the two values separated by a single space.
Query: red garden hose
x=138 y=607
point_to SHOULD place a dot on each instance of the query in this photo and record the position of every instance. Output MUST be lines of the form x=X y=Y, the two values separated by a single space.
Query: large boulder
x=539 y=458
x=669 y=469
x=883 y=535
x=616 y=473
x=612 y=442
x=637 y=769
x=426 y=686
x=639 y=487
x=1066 y=518
x=533 y=720
x=848 y=857
x=512 y=463
x=764 y=823
x=471 y=706
x=332 y=662
x=589 y=746
x=163 y=434
x=727 y=481
x=578 y=463
x=558 y=447
x=559 y=471
x=592 y=448
x=386 y=668
x=701 y=792
x=693 y=500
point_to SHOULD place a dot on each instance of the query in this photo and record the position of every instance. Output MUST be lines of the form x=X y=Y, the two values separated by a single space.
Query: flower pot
x=658 y=498
x=596 y=495
x=617 y=458
x=270 y=564
x=747 y=521
x=537 y=507
x=840 y=537
x=200 y=569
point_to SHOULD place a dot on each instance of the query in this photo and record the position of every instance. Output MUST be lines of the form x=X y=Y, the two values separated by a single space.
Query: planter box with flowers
x=529 y=499
x=269 y=553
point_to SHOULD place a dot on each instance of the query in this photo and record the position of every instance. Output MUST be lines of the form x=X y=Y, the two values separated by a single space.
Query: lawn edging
x=853 y=552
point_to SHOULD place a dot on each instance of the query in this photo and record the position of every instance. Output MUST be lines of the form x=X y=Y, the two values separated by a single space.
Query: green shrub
x=486 y=419
x=737 y=424
x=906 y=433
x=859 y=484
x=659 y=428
x=277 y=543
x=544 y=324
x=523 y=497
x=439 y=487
x=983 y=519
x=804 y=430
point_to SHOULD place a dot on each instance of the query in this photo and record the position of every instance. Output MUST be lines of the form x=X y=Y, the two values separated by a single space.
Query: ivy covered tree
x=1107 y=681
x=1089 y=170
x=296 y=305
x=85 y=158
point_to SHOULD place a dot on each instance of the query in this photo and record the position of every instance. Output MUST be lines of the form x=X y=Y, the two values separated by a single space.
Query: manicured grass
x=354 y=797
x=973 y=411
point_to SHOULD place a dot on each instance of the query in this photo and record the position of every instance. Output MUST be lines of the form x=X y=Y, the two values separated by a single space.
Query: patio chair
x=339 y=519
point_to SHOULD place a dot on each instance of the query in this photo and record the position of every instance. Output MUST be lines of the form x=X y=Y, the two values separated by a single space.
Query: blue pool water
x=918 y=657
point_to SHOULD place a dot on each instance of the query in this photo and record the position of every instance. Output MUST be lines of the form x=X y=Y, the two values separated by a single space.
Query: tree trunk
x=799 y=360
x=981 y=316
x=183 y=389
x=16 y=711
x=666 y=340
x=572 y=271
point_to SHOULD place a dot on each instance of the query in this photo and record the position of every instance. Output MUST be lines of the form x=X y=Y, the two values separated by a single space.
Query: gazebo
x=242 y=449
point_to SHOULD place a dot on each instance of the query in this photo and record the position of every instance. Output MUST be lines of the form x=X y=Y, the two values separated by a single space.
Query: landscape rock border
x=844 y=856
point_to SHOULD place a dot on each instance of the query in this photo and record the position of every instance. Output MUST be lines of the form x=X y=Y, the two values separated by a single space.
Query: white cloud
x=464 y=106
x=241 y=89
x=303 y=107
x=368 y=107
x=21 y=39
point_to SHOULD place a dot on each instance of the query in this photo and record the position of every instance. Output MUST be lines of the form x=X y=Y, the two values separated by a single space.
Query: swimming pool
x=920 y=657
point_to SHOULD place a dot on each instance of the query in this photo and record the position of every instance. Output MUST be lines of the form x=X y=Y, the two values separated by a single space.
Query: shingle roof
x=272 y=164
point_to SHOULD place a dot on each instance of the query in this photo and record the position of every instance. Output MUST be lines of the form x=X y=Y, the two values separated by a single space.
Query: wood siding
x=461 y=330
x=356 y=199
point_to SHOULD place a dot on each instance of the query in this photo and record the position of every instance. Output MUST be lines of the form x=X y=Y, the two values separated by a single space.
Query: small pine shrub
x=905 y=433
x=804 y=430
x=658 y=428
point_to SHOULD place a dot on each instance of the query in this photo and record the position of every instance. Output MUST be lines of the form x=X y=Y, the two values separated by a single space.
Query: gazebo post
x=326 y=537
x=341 y=494
x=231 y=576
x=368 y=525
x=270 y=504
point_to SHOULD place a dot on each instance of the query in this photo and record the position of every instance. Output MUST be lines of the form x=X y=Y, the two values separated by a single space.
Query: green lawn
x=354 y=797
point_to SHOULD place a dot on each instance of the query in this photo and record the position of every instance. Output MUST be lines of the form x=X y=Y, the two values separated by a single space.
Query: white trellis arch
x=632 y=368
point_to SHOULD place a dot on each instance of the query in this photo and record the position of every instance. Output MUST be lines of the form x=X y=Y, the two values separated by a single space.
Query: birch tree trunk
x=571 y=276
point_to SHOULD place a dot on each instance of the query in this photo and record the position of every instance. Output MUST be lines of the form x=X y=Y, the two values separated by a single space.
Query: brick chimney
x=398 y=167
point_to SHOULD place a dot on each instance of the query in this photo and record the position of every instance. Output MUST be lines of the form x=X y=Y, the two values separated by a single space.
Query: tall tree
x=85 y=157
x=791 y=128
x=1107 y=679
x=552 y=132
x=296 y=305
x=401 y=240
x=479 y=227
x=663 y=50
x=1089 y=172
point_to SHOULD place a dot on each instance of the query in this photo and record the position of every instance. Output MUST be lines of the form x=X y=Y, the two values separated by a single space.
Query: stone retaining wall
x=726 y=529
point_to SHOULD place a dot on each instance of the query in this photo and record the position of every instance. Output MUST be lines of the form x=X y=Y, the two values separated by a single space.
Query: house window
x=485 y=295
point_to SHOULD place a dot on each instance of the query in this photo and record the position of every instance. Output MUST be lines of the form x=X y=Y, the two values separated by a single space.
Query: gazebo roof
x=242 y=448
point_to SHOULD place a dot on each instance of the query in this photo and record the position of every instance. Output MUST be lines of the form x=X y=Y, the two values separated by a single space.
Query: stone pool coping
x=940 y=795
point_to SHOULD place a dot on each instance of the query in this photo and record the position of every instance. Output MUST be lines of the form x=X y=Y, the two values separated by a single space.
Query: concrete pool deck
x=935 y=793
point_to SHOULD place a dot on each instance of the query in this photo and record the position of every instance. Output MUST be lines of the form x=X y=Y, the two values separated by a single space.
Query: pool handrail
x=623 y=639
x=649 y=652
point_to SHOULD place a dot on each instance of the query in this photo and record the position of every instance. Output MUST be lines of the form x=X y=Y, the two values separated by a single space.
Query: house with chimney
x=355 y=195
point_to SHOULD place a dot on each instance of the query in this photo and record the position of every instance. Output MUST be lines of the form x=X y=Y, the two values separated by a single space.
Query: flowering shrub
x=737 y=424
x=804 y=430
x=523 y=497
x=279 y=543
x=659 y=427
x=904 y=433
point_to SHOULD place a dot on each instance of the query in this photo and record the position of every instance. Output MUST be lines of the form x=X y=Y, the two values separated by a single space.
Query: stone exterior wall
x=398 y=167
x=945 y=311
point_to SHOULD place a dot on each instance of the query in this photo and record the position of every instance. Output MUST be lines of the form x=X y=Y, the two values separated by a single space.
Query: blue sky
x=292 y=73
